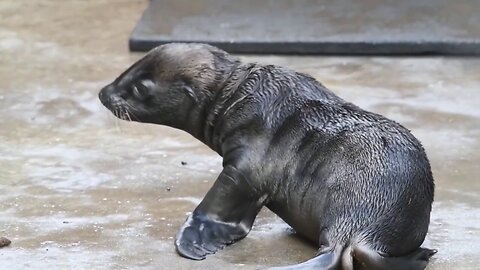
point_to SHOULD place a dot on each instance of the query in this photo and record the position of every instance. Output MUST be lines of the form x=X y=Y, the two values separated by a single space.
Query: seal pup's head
x=171 y=85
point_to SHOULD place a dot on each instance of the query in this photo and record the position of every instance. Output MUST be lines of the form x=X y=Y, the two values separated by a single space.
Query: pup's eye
x=139 y=90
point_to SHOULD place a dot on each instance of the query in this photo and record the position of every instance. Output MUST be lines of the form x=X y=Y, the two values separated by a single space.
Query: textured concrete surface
x=80 y=190
x=315 y=26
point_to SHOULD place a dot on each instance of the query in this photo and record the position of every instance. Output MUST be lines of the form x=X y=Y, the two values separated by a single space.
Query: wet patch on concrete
x=82 y=190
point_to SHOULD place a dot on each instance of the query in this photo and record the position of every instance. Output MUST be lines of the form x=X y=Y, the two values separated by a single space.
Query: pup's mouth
x=121 y=112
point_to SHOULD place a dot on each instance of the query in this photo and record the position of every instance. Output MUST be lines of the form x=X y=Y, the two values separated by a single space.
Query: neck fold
x=215 y=107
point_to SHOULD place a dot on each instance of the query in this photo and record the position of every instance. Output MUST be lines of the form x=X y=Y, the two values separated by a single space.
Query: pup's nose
x=104 y=94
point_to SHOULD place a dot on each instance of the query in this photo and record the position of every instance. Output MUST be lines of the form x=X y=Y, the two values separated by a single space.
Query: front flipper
x=225 y=215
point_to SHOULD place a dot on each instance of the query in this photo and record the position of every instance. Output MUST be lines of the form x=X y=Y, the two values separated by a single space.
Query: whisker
x=130 y=111
x=119 y=114
x=128 y=115
x=117 y=127
x=124 y=114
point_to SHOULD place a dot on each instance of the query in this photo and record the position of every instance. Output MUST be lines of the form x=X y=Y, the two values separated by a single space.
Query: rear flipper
x=363 y=258
x=366 y=258
x=329 y=260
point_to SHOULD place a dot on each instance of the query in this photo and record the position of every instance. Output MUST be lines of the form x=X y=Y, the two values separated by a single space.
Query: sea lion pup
x=354 y=182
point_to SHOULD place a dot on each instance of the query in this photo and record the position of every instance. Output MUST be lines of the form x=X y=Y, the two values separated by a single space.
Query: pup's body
x=357 y=184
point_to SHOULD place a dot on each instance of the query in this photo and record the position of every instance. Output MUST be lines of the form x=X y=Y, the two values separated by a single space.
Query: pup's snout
x=105 y=95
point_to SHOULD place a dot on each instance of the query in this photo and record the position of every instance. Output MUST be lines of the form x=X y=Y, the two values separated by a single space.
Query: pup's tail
x=364 y=258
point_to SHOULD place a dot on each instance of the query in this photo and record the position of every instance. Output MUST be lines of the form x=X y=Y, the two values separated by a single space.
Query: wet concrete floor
x=81 y=190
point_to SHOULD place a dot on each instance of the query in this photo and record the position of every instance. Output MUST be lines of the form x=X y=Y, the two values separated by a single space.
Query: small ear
x=189 y=92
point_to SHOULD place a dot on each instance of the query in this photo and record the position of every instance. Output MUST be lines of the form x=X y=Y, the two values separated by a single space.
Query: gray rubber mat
x=315 y=26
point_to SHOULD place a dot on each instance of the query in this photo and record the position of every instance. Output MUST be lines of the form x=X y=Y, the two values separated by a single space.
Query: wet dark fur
x=354 y=182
